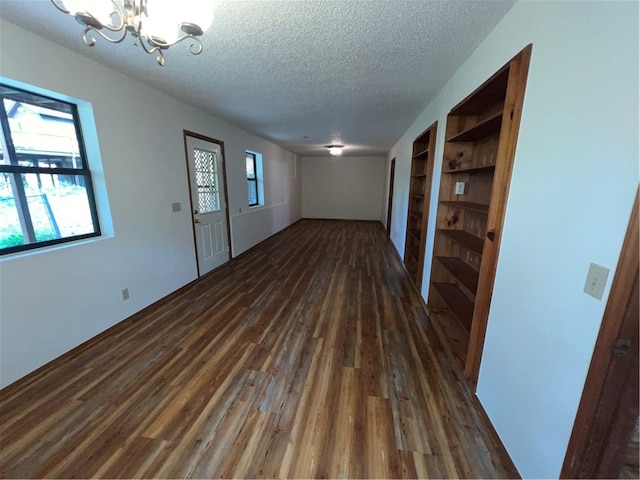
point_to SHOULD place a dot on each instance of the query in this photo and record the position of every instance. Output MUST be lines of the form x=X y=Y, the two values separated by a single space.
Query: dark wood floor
x=309 y=356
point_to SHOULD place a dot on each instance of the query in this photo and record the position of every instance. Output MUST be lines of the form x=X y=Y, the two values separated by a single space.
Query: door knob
x=197 y=220
x=195 y=212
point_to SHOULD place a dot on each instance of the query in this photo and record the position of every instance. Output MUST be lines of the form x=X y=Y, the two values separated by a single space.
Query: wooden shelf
x=457 y=302
x=489 y=119
x=414 y=252
x=465 y=239
x=422 y=154
x=471 y=169
x=483 y=129
x=418 y=209
x=414 y=232
x=465 y=274
x=489 y=93
x=474 y=207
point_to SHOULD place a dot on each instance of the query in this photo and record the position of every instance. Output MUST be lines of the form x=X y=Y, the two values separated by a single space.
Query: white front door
x=206 y=178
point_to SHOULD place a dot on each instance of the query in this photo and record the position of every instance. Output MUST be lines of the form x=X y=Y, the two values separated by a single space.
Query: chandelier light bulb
x=160 y=23
x=335 y=150
x=75 y=6
x=196 y=12
x=101 y=10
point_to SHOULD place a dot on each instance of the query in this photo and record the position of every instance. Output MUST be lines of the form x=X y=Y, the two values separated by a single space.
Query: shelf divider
x=422 y=154
x=414 y=232
x=474 y=207
x=470 y=169
x=483 y=129
x=464 y=273
x=457 y=302
x=471 y=242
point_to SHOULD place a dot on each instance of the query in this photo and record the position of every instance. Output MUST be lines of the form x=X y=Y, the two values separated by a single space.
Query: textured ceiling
x=356 y=72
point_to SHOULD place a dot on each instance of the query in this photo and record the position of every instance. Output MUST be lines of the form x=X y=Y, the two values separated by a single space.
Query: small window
x=206 y=168
x=46 y=194
x=252 y=179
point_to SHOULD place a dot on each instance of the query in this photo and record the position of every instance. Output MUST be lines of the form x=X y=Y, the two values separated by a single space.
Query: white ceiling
x=356 y=72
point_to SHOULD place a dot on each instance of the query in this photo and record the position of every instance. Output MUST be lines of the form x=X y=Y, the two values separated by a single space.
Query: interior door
x=208 y=202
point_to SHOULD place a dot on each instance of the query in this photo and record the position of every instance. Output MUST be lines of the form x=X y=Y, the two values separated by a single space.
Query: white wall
x=343 y=187
x=149 y=249
x=572 y=189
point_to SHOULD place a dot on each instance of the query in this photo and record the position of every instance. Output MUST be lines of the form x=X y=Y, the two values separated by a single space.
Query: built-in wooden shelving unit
x=481 y=136
x=418 y=210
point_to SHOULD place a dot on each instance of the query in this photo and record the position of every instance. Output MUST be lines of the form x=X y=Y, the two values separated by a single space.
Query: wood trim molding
x=433 y=129
x=518 y=72
x=392 y=174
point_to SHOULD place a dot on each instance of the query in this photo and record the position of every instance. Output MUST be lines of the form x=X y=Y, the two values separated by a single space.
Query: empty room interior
x=319 y=239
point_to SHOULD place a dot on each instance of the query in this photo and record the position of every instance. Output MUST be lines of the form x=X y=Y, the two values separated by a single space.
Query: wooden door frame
x=602 y=427
x=188 y=133
x=426 y=207
x=392 y=174
x=518 y=73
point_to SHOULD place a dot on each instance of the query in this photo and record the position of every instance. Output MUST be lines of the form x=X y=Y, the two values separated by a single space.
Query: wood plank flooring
x=310 y=356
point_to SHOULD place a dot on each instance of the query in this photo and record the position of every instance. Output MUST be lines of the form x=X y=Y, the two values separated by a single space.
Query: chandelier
x=153 y=24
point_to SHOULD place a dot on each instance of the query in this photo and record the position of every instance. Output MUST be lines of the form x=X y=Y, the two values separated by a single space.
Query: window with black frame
x=252 y=179
x=46 y=194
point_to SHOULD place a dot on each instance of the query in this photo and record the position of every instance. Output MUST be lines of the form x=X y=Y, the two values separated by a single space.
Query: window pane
x=59 y=208
x=3 y=158
x=59 y=205
x=209 y=201
x=207 y=180
x=10 y=229
x=253 y=193
x=42 y=136
x=251 y=164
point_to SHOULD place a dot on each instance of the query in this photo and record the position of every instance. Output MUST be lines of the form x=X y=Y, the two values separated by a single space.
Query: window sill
x=53 y=248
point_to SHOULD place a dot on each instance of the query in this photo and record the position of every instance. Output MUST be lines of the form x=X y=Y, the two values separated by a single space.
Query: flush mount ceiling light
x=335 y=150
x=155 y=24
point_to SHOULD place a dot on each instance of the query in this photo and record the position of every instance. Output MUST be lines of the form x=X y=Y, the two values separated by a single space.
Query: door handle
x=622 y=348
x=197 y=220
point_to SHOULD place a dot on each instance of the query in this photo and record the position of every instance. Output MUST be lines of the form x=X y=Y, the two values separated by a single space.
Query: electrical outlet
x=176 y=207
x=459 y=188
x=596 y=280
x=125 y=294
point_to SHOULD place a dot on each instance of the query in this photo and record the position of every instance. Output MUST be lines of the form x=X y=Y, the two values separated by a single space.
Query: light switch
x=459 y=188
x=596 y=280
x=176 y=207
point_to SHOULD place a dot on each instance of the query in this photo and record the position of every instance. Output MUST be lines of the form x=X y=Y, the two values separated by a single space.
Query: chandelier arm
x=155 y=48
x=195 y=48
x=59 y=7
x=89 y=38
x=112 y=28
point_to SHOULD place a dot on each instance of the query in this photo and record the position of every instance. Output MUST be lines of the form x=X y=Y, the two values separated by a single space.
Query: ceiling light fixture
x=152 y=23
x=335 y=150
